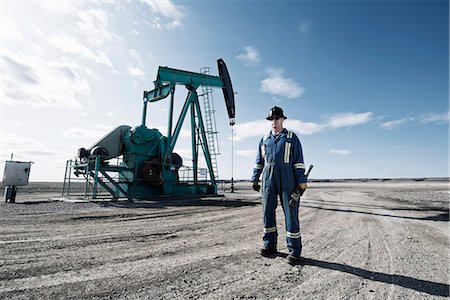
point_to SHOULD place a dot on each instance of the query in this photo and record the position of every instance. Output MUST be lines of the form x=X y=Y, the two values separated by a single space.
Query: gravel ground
x=362 y=240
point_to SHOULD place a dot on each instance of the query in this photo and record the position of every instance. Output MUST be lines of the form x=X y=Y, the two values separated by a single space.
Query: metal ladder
x=210 y=123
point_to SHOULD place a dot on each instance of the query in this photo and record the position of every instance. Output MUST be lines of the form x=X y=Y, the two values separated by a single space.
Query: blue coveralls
x=280 y=160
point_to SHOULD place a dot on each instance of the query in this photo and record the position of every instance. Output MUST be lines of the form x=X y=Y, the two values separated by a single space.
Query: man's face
x=277 y=124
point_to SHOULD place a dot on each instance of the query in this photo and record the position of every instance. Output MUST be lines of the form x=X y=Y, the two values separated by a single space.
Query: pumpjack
x=140 y=162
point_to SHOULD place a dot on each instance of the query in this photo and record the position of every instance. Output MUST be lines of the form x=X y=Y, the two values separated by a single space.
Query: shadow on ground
x=221 y=202
x=425 y=286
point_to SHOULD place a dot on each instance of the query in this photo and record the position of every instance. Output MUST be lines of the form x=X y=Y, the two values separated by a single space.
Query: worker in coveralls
x=280 y=161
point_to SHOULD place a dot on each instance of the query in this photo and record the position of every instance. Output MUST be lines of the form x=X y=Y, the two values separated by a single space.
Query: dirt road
x=375 y=240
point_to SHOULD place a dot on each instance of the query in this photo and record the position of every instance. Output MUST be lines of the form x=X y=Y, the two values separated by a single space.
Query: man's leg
x=269 y=220
x=293 y=238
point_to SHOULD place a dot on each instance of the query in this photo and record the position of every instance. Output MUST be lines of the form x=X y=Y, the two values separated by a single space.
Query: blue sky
x=364 y=84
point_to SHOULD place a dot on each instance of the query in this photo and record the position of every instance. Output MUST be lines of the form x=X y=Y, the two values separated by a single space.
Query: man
x=280 y=161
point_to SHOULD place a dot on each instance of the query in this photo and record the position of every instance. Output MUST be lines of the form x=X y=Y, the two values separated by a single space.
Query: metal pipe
x=180 y=121
x=194 y=142
x=169 y=127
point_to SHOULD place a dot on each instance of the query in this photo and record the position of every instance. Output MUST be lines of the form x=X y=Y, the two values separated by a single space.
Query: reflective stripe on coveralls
x=270 y=229
x=299 y=166
x=293 y=235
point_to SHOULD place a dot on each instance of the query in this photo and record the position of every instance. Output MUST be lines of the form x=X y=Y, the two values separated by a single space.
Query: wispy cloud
x=78 y=132
x=340 y=151
x=60 y=8
x=173 y=14
x=306 y=128
x=333 y=122
x=136 y=72
x=243 y=131
x=278 y=85
x=249 y=153
x=92 y=36
x=8 y=30
x=68 y=44
x=395 y=123
x=250 y=56
x=15 y=141
x=23 y=147
x=348 y=119
x=435 y=118
x=30 y=80
x=96 y=22
x=135 y=56
x=39 y=152
x=426 y=118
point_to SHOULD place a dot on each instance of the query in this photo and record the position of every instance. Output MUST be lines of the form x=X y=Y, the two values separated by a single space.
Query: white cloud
x=304 y=27
x=16 y=123
x=436 y=118
x=426 y=118
x=60 y=8
x=306 y=128
x=349 y=119
x=32 y=81
x=14 y=141
x=395 y=123
x=68 y=44
x=135 y=56
x=261 y=127
x=250 y=56
x=277 y=85
x=249 y=153
x=8 y=29
x=37 y=49
x=243 y=131
x=340 y=151
x=135 y=72
x=91 y=73
x=77 y=132
x=95 y=23
x=172 y=12
x=38 y=152
x=90 y=38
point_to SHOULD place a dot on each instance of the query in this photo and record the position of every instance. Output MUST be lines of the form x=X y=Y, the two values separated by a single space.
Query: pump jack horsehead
x=148 y=165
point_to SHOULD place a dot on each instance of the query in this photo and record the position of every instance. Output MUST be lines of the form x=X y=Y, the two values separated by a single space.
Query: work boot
x=293 y=260
x=268 y=252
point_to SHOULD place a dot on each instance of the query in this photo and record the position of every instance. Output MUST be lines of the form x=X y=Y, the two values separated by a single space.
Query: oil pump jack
x=148 y=166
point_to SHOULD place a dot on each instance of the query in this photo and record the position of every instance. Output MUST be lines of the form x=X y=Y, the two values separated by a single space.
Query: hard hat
x=275 y=111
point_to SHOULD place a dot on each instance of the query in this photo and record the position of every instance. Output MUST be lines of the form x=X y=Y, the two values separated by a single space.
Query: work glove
x=298 y=192
x=256 y=186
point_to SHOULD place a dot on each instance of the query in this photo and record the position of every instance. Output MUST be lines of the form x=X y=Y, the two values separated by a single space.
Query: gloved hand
x=256 y=186
x=302 y=187
x=298 y=192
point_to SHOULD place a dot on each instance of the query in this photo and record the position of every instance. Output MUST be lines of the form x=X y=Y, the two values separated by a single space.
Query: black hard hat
x=275 y=111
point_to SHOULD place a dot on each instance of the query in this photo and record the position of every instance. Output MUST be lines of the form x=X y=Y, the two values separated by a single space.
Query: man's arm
x=297 y=160
x=257 y=169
